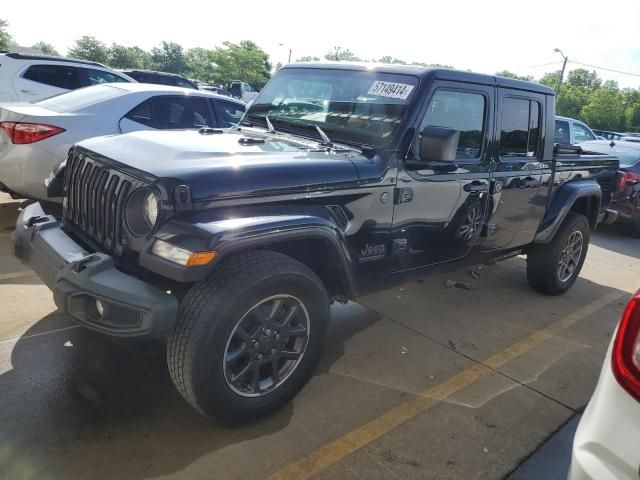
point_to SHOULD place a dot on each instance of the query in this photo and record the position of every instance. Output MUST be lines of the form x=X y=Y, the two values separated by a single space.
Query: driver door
x=441 y=206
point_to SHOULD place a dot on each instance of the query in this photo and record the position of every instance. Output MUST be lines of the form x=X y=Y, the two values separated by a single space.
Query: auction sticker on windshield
x=390 y=89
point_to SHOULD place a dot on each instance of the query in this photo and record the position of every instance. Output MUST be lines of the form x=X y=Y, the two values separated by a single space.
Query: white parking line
x=38 y=334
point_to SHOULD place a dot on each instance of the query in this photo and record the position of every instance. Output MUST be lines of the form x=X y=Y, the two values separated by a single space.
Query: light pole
x=283 y=45
x=564 y=65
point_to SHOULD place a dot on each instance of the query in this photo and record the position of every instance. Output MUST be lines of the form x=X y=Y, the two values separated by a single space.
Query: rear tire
x=553 y=268
x=222 y=331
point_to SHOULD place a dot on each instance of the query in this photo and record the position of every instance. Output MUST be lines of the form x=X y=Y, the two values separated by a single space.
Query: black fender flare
x=248 y=232
x=562 y=203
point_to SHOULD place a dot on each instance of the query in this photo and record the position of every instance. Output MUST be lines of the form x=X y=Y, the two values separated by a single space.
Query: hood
x=225 y=164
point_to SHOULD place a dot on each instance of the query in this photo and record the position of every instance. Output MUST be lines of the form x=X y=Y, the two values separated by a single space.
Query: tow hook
x=37 y=219
x=81 y=264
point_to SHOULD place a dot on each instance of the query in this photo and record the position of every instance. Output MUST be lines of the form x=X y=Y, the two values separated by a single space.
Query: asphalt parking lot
x=421 y=382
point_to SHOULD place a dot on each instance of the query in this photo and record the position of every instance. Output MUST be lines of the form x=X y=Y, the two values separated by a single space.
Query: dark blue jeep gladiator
x=339 y=181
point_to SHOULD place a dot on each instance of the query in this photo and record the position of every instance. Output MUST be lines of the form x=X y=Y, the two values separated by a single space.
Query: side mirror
x=439 y=144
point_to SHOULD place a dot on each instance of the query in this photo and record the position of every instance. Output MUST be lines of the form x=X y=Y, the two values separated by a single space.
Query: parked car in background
x=606 y=135
x=34 y=138
x=631 y=139
x=605 y=446
x=160 y=78
x=28 y=78
x=569 y=131
x=242 y=90
x=214 y=89
x=627 y=200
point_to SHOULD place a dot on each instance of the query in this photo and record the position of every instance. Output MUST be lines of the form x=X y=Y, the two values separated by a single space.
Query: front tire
x=553 y=268
x=249 y=336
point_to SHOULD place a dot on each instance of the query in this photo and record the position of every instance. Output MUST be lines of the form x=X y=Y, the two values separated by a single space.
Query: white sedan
x=35 y=137
x=607 y=443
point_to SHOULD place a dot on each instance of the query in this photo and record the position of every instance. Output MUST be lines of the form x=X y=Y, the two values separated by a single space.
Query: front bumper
x=79 y=278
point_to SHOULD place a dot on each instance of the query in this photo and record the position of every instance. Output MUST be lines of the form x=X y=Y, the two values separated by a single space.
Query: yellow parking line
x=12 y=275
x=349 y=443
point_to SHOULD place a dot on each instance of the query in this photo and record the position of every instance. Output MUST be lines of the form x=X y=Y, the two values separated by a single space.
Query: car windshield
x=81 y=98
x=628 y=156
x=361 y=107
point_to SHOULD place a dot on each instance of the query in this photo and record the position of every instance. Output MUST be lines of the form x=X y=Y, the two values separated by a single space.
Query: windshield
x=351 y=106
x=81 y=98
x=628 y=156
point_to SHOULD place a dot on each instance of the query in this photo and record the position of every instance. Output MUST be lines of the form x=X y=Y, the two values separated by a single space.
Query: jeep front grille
x=95 y=200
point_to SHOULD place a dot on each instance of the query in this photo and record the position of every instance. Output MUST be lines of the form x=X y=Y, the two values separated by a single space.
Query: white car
x=28 y=78
x=35 y=137
x=570 y=131
x=607 y=443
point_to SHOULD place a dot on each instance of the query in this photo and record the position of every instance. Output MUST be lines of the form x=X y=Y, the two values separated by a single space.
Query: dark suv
x=160 y=78
x=340 y=181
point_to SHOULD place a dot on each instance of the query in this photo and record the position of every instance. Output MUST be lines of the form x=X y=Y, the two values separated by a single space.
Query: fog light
x=100 y=308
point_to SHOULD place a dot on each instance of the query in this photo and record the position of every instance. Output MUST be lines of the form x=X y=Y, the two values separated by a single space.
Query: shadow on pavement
x=616 y=239
x=76 y=404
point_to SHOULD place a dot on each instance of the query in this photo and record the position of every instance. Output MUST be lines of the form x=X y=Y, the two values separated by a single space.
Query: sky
x=485 y=36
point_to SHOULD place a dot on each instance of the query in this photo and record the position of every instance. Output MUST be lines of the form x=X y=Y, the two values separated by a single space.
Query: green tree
x=46 y=48
x=550 y=79
x=89 y=48
x=340 y=55
x=169 y=57
x=200 y=64
x=244 y=61
x=128 y=57
x=604 y=110
x=5 y=37
x=308 y=59
x=571 y=100
x=581 y=77
x=508 y=74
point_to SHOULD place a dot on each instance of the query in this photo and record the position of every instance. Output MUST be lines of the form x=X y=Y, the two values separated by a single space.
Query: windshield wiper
x=269 y=125
x=326 y=141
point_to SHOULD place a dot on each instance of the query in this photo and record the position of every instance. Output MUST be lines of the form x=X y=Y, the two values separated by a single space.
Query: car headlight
x=151 y=209
x=142 y=211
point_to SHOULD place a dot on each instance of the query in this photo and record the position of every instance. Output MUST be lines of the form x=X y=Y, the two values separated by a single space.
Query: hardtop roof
x=428 y=73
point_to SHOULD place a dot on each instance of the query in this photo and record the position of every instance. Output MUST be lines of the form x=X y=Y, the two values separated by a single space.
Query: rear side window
x=61 y=76
x=95 y=77
x=81 y=98
x=520 y=130
x=141 y=114
x=582 y=133
x=462 y=111
x=167 y=113
x=228 y=114
x=561 y=134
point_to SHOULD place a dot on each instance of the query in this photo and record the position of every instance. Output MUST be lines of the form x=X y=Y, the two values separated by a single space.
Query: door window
x=582 y=133
x=61 y=76
x=562 y=132
x=95 y=77
x=228 y=114
x=462 y=111
x=166 y=113
x=520 y=131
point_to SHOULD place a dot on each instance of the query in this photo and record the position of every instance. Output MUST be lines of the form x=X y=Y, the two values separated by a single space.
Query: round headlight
x=151 y=209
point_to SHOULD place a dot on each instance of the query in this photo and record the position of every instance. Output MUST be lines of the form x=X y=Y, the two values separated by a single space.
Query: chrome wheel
x=570 y=256
x=471 y=223
x=266 y=345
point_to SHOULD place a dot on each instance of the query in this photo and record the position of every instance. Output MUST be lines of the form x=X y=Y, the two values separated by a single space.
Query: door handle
x=27 y=91
x=476 y=187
